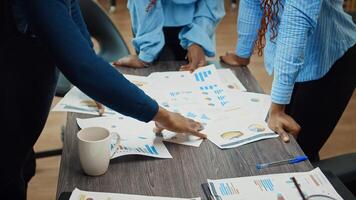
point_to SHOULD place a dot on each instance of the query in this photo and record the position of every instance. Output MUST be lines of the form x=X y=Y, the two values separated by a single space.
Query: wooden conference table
x=183 y=175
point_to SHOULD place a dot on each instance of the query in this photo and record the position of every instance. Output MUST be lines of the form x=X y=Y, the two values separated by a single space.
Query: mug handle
x=116 y=146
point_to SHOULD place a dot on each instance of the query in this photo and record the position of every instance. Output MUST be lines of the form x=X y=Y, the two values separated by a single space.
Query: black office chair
x=111 y=44
x=111 y=47
x=344 y=167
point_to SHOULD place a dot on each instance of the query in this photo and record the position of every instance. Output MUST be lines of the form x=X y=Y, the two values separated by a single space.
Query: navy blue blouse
x=59 y=24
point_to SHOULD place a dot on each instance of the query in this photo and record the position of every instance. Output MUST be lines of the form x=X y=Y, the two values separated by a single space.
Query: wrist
x=161 y=114
x=277 y=108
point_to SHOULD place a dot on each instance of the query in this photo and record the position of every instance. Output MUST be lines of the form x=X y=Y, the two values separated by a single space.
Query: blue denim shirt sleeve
x=147 y=26
x=248 y=24
x=299 y=20
x=201 y=31
x=79 y=63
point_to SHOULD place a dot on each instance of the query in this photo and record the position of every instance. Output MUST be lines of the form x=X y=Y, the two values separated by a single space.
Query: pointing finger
x=283 y=134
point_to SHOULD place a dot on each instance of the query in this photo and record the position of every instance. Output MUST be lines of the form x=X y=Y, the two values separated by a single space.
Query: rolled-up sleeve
x=248 y=24
x=202 y=29
x=147 y=27
x=76 y=59
x=298 y=21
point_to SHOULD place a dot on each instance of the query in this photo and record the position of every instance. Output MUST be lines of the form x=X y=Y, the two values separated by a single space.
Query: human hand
x=175 y=122
x=232 y=59
x=101 y=108
x=196 y=58
x=130 y=61
x=282 y=123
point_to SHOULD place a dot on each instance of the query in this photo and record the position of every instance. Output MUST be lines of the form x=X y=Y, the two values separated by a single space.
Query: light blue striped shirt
x=312 y=36
x=199 y=19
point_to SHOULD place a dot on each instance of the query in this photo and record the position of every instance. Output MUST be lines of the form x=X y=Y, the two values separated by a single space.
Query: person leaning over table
x=187 y=26
x=48 y=34
x=310 y=49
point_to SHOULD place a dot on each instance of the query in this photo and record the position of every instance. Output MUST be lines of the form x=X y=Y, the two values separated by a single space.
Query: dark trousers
x=28 y=81
x=172 y=50
x=318 y=105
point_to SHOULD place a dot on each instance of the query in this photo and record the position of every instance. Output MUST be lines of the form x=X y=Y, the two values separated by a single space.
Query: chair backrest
x=112 y=45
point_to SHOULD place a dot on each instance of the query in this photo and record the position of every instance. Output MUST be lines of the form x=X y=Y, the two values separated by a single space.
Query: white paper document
x=250 y=105
x=202 y=88
x=86 y=195
x=140 y=81
x=198 y=114
x=230 y=81
x=76 y=101
x=273 y=187
x=136 y=138
x=231 y=130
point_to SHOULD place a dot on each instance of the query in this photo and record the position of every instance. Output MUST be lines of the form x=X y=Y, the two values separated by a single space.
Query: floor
x=43 y=185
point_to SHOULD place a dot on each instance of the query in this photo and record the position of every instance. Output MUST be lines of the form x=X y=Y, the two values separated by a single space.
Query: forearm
x=79 y=63
x=249 y=20
x=299 y=20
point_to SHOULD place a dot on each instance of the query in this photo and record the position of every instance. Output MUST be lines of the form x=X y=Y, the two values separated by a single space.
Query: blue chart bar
x=196 y=77
x=205 y=117
x=201 y=77
x=227 y=189
x=267 y=184
x=151 y=149
x=224 y=103
x=223 y=189
x=205 y=74
x=221 y=98
x=154 y=150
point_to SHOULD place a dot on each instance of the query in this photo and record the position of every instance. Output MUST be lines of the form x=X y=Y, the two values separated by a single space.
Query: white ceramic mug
x=95 y=149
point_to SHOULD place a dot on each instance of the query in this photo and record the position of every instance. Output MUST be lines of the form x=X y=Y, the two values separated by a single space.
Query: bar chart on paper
x=202 y=75
x=273 y=187
x=147 y=149
x=228 y=189
x=264 y=185
x=211 y=87
x=152 y=147
x=136 y=138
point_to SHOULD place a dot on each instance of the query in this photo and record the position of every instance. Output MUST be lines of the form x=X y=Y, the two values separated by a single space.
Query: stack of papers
x=85 y=195
x=231 y=116
x=273 y=187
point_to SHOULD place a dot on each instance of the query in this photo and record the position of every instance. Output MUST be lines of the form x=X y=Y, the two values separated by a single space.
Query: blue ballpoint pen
x=295 y=160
